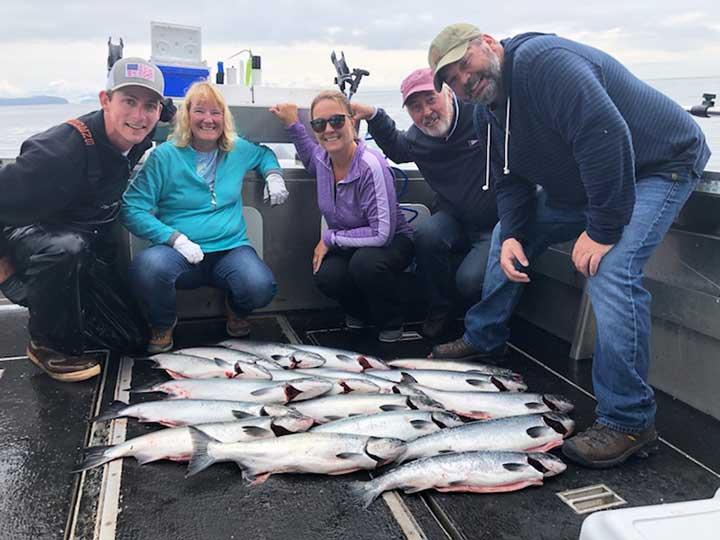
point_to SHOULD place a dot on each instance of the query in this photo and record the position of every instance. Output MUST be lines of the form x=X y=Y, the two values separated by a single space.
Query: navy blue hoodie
x=584 y=128
x=454 y=166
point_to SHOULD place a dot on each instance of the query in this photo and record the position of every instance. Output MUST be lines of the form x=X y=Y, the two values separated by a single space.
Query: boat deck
x=44 y=425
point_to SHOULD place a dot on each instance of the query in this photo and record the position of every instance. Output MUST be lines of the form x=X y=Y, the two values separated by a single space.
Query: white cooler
x=691 y=520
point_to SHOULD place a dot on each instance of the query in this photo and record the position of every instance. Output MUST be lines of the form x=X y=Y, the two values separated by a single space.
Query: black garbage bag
x=112 y=319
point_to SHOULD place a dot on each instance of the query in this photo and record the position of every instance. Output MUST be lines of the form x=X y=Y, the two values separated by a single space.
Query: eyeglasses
x=336 y=121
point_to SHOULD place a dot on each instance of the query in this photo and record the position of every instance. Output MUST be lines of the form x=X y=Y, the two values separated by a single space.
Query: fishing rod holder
x=345 y=77
x=707 y=108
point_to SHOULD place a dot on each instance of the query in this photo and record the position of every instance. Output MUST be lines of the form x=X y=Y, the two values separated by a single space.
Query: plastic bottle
x=220 y=75
x=231 y=75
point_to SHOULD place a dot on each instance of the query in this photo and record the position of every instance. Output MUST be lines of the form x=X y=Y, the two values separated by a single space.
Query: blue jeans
x=158 y=271
x=625 y=401
x=440 y=241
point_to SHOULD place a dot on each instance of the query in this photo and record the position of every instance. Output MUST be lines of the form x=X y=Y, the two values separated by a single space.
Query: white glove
x=190 y=250
x=275 y=190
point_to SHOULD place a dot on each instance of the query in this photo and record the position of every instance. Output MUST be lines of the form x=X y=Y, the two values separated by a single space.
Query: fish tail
x=365 y=492
x=114 y=410
x=144 y=389
x=200 y=459
x=94 y=457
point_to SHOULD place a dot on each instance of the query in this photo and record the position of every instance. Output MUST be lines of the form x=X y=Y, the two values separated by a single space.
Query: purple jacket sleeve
x=379 y=204
x=305 y=145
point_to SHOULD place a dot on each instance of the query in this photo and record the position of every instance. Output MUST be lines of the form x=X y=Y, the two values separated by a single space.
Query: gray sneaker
x=354 y=322
x=390 y=335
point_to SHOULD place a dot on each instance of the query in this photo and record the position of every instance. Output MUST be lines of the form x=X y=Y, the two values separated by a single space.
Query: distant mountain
x=33 y=100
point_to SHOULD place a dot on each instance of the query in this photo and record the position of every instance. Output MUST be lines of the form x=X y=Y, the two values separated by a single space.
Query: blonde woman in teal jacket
x=187 y=202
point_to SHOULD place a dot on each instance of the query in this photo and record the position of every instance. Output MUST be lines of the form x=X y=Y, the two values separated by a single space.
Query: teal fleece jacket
x=168 y=197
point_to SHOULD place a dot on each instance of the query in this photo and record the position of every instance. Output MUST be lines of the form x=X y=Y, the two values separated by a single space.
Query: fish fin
x=255 y=431
x=538 y=431
x=411 y=489
x=114 y=410
x=144 y=389
x=200 y=459
x=94 y=457
x=515 y=466
x=240 y=414
x=387 y=408
x=279 y=431
x=262 y=391
x=219 y=362
x=253 y=479
x=331 y=417
x=420 y=424
x=534 y=406
x=142 y=460
x=348 y=455
x=406 y=378
x=476 y=382
x=365 y=492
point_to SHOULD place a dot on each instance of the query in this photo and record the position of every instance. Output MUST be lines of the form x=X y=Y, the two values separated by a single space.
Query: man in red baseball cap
x=451 y=247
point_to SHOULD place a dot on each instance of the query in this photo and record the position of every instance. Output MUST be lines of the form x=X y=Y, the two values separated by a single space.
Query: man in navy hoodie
x=451 y=247
x=615 y=160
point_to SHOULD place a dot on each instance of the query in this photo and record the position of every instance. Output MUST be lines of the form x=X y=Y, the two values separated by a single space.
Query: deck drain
x=591 y=498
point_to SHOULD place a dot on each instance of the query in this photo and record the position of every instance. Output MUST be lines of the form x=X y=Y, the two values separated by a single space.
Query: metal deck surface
x=44 y=425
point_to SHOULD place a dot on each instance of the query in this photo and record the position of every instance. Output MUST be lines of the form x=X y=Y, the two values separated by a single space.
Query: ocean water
x=17 y=123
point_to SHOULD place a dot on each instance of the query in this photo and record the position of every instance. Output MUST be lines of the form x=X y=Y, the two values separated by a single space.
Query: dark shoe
x=238 y=327
x=462 y=350
x=433 y=328
x=63 y=367
x=600 y=446
x=355 y=323
x=390 y=335
x=161 y=339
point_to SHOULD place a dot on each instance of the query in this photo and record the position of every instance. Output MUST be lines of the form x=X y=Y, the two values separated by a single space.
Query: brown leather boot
x=600 y=446
x=236 y=326
x=63 y=367
x=462 y=350
x=161 y=339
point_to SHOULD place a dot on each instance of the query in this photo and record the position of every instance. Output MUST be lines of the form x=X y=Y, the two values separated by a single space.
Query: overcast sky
x=59 y=48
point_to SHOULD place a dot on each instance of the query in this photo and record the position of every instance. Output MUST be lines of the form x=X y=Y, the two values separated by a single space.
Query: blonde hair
x=198 y=92
x=332 y=95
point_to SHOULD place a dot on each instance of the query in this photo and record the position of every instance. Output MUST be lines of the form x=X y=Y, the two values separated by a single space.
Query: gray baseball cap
x=136 y=72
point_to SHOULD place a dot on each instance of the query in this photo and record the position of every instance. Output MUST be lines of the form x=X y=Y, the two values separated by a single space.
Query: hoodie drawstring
x=506 y=169
x=487 y=161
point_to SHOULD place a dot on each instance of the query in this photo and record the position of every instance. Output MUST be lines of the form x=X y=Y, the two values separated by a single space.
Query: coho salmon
x=404 y=425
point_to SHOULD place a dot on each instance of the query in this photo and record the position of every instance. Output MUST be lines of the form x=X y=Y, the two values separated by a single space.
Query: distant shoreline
x=33 y=100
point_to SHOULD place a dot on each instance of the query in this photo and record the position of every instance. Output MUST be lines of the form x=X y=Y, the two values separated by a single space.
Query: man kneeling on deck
x=58 y=204
x=451 y=157
x=616 y=161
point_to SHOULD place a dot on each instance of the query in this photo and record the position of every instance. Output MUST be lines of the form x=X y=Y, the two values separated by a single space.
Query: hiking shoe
x=390 y=335
x=237 y=326
x=462 y=350
x=600 y=446
x=63 y=367
x=354 y=322
x=161 y=339
x=433 y=328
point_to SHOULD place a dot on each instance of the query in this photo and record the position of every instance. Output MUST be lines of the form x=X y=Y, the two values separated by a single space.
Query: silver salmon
x=452 y=380
x=476 y=472
x=183 y=412
x=487 y=405
x=286 y=355
x=319 y=453
x=405 y=425
x=176 y=443
x=330 y=408
x=255 y=390
x=527 y=433
x=450 y=365
x=185 y=366
x=342 y=359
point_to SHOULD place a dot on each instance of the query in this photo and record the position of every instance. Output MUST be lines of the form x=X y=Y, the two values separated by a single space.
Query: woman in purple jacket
x=368 y=242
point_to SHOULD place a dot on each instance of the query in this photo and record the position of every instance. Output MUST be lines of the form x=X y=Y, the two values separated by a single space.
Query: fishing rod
x=706 y=109
x=345 y=77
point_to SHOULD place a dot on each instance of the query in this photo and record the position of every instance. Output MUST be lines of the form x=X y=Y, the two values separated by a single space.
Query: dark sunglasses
x=336 y=121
